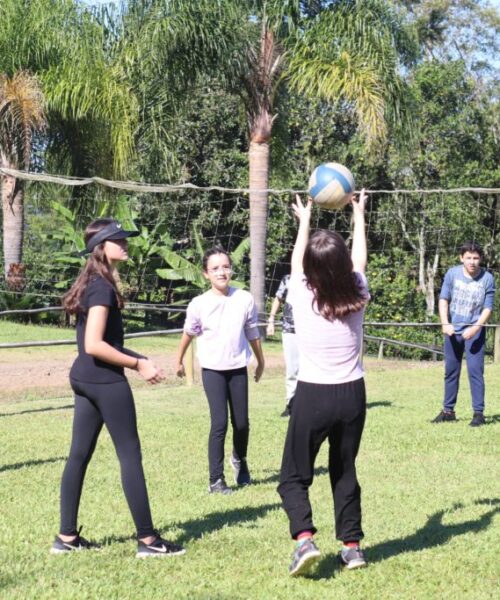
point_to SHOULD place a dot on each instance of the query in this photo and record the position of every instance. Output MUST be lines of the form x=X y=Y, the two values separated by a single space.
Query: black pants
x=111 y=404
x=336 y=412
x=225 y=388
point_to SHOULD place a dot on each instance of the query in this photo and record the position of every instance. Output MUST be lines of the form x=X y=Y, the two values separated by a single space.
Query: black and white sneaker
x=77 y=544
x=240 y=470
x=159 y=547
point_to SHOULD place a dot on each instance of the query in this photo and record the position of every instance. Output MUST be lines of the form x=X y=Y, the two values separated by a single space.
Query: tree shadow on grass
x=197 y=528
x=433 y=533
x=31 y=463
x=493 y=419
x=36 y=410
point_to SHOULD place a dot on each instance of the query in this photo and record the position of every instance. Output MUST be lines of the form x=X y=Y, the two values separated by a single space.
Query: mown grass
x=430 y=501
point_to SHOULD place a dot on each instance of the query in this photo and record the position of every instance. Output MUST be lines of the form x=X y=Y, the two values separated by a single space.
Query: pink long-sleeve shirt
x=330 y=351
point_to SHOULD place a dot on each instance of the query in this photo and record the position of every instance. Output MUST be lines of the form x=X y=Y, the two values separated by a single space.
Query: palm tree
x=84 y=98
x=21 y=115
x=346 y=50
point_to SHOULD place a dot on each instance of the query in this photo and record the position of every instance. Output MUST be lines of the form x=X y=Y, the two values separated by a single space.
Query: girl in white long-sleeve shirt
x=224 y=321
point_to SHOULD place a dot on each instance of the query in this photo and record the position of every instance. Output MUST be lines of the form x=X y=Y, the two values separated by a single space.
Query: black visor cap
x=113 y=231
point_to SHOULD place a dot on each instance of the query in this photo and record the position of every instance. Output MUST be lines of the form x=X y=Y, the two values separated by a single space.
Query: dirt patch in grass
x=37 y=373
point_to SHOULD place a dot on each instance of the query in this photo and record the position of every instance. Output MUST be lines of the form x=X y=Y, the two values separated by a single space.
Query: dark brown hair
x=329 y=271
x=211 y=252
x=472 y=247
x=97 y=265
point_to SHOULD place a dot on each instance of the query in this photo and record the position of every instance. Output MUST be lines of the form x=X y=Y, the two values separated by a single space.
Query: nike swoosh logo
x=70 y=546
x=157 y=549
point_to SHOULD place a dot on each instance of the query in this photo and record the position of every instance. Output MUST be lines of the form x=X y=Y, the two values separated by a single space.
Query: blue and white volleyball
x=331 y=185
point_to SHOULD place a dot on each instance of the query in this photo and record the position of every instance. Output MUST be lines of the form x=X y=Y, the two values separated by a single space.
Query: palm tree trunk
x=13 y=221
x=259 y=180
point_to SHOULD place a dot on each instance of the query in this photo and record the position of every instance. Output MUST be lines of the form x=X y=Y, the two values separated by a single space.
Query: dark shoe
x=352 y=558
x=303 y=558
x=240 y=470
x=159 y=547
x=477 y=419
x=286 y=412
x=219 y=487
x=445 y=416
x=79 y=543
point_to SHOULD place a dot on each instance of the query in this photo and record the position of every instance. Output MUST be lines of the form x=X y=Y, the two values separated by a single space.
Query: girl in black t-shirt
x=102 y=393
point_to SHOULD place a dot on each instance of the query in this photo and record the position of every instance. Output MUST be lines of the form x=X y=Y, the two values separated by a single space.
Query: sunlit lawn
x=430 y=501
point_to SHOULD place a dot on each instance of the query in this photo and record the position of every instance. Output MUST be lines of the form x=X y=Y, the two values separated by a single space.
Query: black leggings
x=111 y=404
x=324 y=411
x=223 y=388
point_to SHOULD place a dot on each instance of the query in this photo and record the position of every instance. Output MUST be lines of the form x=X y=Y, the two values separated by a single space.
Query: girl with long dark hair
x=102 y=393
x=328 y=293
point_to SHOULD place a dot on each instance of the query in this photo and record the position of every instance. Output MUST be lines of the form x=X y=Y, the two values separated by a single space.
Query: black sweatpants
x=321 y=411
x=111 y=404
x=225 y=388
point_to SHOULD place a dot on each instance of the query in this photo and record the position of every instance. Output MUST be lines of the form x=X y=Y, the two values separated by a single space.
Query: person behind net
x=328 y=293
x=290 y=349
x=465 y=305
x=224 y=320
x=102 y=393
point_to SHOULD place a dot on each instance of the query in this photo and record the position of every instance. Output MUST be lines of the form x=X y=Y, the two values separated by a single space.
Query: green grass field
x=430 y=500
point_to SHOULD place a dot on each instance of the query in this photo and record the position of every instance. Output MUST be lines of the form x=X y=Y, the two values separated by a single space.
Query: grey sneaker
x=304 y=557
x=477 y=419
x=219 y=487
x=159 y=547
x=240 y=470
x=352 y=558
x=76 y=545
x=445 y=416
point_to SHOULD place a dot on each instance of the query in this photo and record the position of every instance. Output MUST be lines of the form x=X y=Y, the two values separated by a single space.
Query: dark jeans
x=225 y=388
x=111 y=404
x=336 y=412
x=454 y=348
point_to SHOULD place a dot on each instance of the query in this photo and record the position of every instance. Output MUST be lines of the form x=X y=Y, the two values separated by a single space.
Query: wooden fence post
x=496 y=345
x=381 y=351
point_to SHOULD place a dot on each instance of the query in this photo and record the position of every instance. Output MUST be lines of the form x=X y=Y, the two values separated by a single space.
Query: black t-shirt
x=86 y=368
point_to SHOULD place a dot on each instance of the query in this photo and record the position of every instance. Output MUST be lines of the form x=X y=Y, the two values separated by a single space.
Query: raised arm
x=359 y=253
x=303 y=214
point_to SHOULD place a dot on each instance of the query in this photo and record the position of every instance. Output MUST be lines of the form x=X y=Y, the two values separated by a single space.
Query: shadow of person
x=433 y=533
x=275 y=477
x=31 y=463
x=383 y=403
x=36 y=410
x=197 y=528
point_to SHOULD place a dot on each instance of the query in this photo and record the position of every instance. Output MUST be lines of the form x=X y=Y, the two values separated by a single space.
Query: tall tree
x=63 y=46
x=21 y=115
x=346 y=50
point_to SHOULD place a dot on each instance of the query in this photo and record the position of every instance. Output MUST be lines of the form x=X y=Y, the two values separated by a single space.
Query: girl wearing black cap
x=102 y=392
